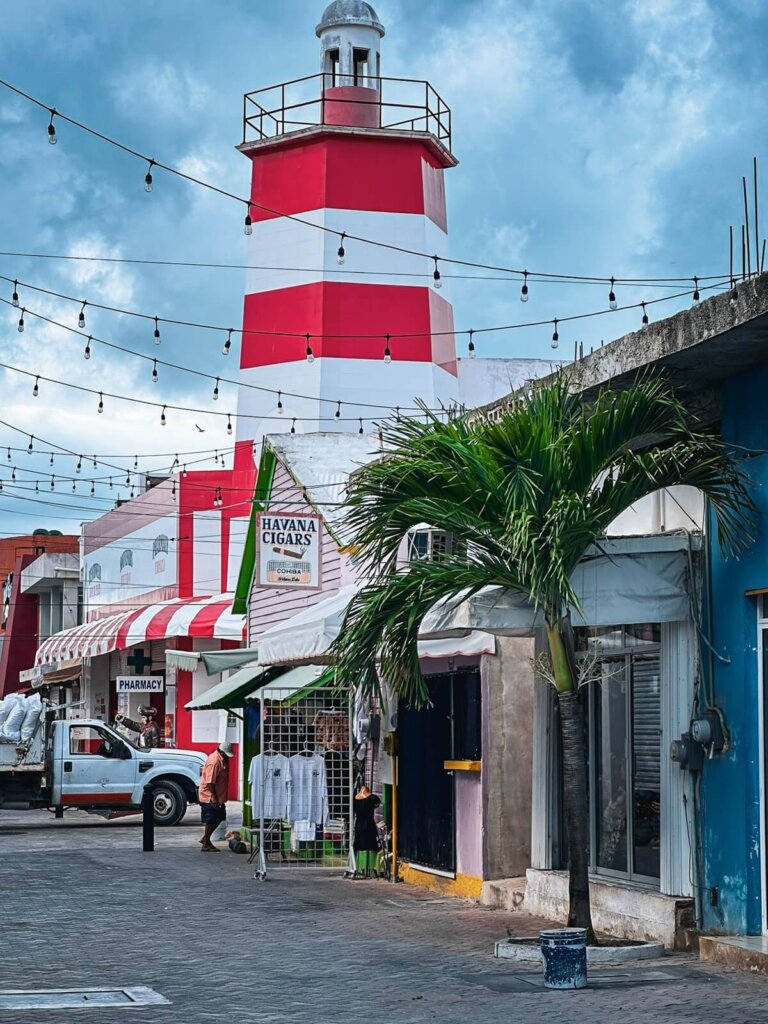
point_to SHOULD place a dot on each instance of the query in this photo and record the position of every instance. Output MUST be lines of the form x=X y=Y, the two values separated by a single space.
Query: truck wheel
x=169 y=802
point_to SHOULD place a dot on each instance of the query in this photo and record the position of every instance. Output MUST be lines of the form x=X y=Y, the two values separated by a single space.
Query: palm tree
x=525 y=495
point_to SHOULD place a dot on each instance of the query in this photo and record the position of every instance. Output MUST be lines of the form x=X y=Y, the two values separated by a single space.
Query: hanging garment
x=366 y=833
x=270 y=778
x=308 y=792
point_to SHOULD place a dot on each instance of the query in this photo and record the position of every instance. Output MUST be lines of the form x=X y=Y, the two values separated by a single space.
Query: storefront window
x=624 y=741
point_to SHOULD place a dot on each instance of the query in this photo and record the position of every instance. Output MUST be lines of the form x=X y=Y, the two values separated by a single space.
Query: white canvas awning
x=631 y=580
x=306 y=638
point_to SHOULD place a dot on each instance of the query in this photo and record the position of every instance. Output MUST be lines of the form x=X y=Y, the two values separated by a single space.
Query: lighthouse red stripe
x=373 y=174
x=336 y=308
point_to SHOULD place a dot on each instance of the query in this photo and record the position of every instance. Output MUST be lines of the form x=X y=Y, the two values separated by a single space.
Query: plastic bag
x=34 y=709
x=11 y=730
x=7 y=704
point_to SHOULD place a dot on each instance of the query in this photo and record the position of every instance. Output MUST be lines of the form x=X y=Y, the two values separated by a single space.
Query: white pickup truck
x=84 y=763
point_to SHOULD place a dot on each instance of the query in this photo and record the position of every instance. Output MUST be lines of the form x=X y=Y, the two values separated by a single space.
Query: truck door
x=93 y=768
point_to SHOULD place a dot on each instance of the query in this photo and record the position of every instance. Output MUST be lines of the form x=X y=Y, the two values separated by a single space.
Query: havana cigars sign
x=289 y=551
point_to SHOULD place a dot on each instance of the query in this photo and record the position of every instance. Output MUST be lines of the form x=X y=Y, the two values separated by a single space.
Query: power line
x=343 y=236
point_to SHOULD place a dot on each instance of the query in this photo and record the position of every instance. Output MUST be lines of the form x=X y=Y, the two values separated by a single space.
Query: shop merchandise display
x=270 y=778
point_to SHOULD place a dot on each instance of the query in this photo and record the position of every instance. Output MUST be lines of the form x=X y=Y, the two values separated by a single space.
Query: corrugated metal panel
x=646 y=722
x=268 y=606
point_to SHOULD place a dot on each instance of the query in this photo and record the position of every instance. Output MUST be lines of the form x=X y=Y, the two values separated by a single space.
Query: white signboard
x=289 y=551
x=141 y=562
x=140 y=684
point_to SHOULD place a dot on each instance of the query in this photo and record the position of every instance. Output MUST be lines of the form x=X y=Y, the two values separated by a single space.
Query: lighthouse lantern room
x=337 y=329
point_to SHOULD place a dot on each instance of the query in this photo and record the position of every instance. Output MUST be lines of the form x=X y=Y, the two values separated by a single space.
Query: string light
x=612 y=303
x=135 y=462
x=52 y=128
x=555 y=335
x=81 y=318
x=216 y=391
x=21 y=322
x=248 y=222
x=173 y=490
x=644 y=327
x=156 y=335
x=127 y=479
x=53 y=484
x=15 y=296
x=471 y=346
x=111 y=485
x=337 y=414
x=279 y=403
x=310 y=353
x=387 y=351
x=31 y=444
x=361 y=430
x=79 y=466
x=436 y=275
x=74 y=487
x=341 y=254
x=228 y=342
x=13 y=474
x=155 y=375
x=148 y=177
x=87 y=352
x=397 y=414
x=37 y=487
x=101 y=402
x=9 y=454
x=696 y=293
x=93 y=488
x=51 y=460
x=162 y=418
x=524 y=290
x=229 y=425
x=293 y=426
x=95 y=463
x=36 y=388
x=184 y=470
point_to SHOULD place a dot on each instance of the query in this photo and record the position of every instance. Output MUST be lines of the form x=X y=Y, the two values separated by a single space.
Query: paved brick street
x=84 y=907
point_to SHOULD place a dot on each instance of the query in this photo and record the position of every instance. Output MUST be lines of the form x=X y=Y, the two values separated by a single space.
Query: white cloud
x=158 y=89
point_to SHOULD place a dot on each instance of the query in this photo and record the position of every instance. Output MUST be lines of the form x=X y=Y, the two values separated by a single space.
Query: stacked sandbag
x=19 y=717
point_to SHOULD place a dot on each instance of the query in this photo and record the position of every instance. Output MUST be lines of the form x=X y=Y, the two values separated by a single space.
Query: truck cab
x=95 y=768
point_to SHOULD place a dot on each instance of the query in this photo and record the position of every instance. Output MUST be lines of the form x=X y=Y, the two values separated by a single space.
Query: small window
x=360 y=63
x=87 y=739
x=332 y=58
x=430 y=545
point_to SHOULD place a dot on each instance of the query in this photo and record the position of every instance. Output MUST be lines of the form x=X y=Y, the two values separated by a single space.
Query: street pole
x=148 y=820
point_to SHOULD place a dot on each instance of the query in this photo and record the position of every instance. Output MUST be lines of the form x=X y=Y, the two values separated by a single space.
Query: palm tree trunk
x=574 y=761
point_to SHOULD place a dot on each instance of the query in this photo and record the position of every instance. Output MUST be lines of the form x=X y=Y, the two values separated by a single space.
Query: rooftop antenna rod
x=762 y=260
x=743 y=256
x=730 y=235
x=757 y=225
x=746 y=222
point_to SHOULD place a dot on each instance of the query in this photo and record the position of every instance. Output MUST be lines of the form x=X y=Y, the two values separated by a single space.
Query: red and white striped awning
x=209 y=617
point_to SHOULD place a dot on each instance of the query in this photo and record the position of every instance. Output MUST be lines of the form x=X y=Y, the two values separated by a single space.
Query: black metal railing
x=402 y=104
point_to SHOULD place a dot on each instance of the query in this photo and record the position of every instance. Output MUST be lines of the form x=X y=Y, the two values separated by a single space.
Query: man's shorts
x=212 y=814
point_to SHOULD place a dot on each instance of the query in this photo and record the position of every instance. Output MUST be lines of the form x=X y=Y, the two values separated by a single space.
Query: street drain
x=78 y=998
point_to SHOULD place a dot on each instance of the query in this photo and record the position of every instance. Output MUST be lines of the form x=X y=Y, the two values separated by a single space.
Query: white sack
x=34 y=709
x=11 y=730
x=7 y=704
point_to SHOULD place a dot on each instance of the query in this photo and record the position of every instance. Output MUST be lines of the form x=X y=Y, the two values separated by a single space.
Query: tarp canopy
x=307 y=636
x=630 y=580
x=229 y=693
x=212 y=661
x=209 y=617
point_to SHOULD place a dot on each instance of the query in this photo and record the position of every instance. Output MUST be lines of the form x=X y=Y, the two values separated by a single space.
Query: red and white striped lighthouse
x=359 y=155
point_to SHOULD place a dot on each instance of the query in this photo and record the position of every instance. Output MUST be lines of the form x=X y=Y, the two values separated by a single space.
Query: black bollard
x=148 y=820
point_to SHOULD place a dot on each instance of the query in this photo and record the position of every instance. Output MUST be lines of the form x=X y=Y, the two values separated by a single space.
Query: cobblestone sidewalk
x=82 y=906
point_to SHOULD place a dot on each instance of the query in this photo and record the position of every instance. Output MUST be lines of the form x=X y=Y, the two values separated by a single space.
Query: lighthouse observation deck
x=393 y=105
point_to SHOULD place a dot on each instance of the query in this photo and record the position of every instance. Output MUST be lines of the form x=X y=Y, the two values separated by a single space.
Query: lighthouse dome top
x=349 y=12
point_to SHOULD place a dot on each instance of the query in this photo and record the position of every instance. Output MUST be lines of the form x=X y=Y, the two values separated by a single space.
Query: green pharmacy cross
x=138 y=662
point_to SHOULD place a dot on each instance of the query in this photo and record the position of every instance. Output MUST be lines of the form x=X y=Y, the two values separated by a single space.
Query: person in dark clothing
x=366 y=832
x=149 y=733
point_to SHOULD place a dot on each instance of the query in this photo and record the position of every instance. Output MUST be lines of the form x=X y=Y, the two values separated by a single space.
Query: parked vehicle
x=87 y=764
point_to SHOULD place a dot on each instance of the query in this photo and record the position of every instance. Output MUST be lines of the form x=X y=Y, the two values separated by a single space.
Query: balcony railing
x=400 y=104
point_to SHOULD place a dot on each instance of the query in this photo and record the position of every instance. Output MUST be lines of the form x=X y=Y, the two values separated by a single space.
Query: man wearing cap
x=214 y=784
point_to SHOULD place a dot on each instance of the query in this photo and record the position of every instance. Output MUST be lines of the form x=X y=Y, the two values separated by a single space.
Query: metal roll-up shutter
x=646 y=721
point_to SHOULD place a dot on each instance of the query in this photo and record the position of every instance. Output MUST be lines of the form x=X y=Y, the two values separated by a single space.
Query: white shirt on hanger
x=308 y=792
x=270 y=779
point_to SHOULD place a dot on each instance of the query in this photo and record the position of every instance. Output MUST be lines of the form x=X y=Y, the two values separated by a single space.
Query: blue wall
x=730 y=783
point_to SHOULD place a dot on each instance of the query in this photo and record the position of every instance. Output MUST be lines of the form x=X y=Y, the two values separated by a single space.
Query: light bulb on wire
x=216 y=390
x=81 y=317
x=155 y=375
x=388 y=351
x=696 y=293
x=524 y=295
x=310 y=353
x=163 y=420
x=36 y=388
x=612 y=303
x=471 y=345
x=87 y=350
x=156 y=335
x=644 y=326
x=228 y=342
x=148 y=177
x=20 y=328
x=361 y=431
x=341 y=254
x=248 y=229
x=555 y=335
x=31 y=445
x=101 y=403
x=52 y=128
x=337 y=414
x=436 y=279
x=79 y=466
x=15 y=296
x=293 y=426
x=229 y=424
x=280 y=409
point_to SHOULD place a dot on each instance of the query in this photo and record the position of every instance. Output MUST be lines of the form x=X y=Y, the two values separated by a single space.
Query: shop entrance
x=447 y=730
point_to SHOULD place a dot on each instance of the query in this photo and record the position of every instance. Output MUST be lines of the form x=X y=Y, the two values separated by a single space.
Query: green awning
x=294 y=684
x=213 y=661
x=231 y=692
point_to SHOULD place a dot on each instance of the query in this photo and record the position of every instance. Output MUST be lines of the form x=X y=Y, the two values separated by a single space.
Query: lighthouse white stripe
x=285 y=243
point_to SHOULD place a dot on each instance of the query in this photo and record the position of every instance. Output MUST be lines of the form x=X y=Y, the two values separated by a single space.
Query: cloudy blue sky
x=594 y=138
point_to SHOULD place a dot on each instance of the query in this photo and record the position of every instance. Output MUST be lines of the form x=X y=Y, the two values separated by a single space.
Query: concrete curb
x=527 y=951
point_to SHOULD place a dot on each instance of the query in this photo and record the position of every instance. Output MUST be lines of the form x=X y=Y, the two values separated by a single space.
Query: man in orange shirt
x=214 y=784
